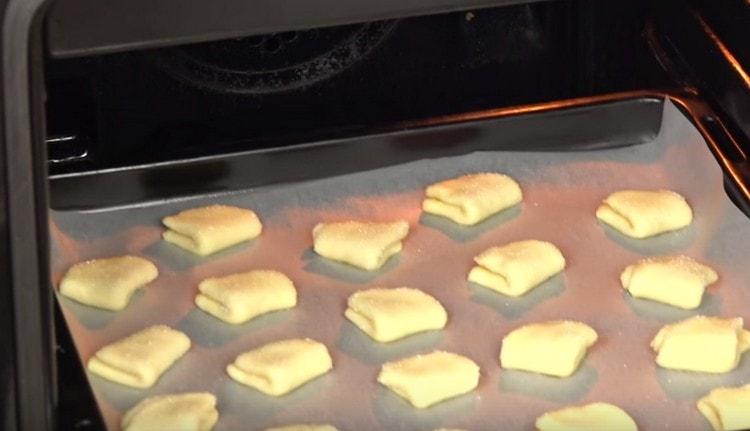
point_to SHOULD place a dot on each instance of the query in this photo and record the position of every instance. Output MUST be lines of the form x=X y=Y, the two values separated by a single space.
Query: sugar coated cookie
x=138 y=360
x=469 y=199
x=207 y=230
x=366 y=245
x=390 y=314
x=108 y=282
x=590 y=417
x=240 y=297
x=701 y=343
x=280 y=367
x=178 y=412
x=675 y=280
x=516 y=268
x=645 y=213
x=424 y=380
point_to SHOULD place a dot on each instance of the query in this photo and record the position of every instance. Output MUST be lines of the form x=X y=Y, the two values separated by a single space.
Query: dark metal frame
x=128 y=24
x=24 y=211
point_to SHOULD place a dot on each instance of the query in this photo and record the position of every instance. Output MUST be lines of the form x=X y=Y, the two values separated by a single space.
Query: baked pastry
x=138 y=360
x=518 y=267
x=727 y=409
x=590 y=417
x=645 y=213
x=209 y=229
x=366 y=245
x=240 y=297
x=553 y=348
x=279 y=367
x=469 y=199
x=108 y=282
x=179 y=412
x=673 y=280
x=390 y=314
x=700 y=343
x=304 y=428
x=424 y=380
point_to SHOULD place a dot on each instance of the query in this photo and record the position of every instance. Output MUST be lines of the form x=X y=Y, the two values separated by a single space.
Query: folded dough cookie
x=238 y=298
x=645 y=213
x=304 y=428
x=108 y=282
x=138 y=360
x=518 y=267
x=673 y=280
x=700 y=343
x=424 y=380
x=590 y=417
x=365 y=245
x=727 y=409
x=469 y=199
x=207 y=230
x=281 y=366
x=553 y=348
x=180 y=412
x=389 y=314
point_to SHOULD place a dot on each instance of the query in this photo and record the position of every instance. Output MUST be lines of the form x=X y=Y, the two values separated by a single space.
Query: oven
x=117 y=113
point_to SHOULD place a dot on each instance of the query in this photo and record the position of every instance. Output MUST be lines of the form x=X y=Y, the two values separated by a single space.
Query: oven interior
x=113 y=113
x=274 y=90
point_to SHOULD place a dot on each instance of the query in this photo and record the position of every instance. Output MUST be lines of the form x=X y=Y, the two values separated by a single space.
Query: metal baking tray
x=561 y=192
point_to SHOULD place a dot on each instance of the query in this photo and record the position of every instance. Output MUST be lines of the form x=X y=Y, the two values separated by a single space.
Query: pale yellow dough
x=645 y=213
x=703 y=344
x=518 y=267
x=424 y=380
x=304 y=428
x=590 y=417
x=553 y=348
x=240 y=297
x=469 y=199
x=138 y=360
x=281 y=366
x=207 y=230
x=179 y=412
x=390 y=314
x=673 y=280
x=727 y=409
x=108 y=282
x=366 y=245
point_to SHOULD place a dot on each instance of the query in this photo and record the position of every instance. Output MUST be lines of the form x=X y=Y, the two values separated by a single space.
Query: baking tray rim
x=724 y=145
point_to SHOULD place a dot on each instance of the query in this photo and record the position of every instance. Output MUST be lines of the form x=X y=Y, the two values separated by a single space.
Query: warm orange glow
x=528 y=109
x=736 y=65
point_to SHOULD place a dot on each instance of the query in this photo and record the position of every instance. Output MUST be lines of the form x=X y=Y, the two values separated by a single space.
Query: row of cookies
x=391 y=314
x=197 y=411
x=512 y=269
x=332 y=239
x=275 y=369
x=552 y=348
x=191 y=411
